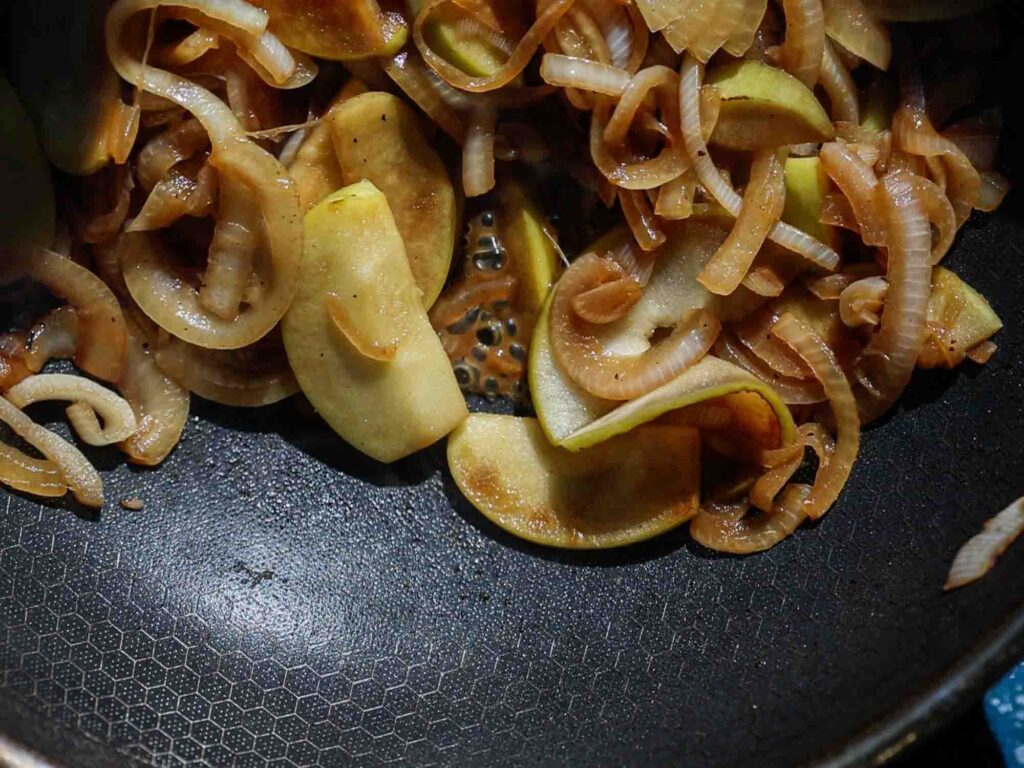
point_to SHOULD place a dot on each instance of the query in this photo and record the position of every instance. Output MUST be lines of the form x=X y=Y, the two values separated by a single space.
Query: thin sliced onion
x=858 y=183
x=669 y=164
x=617 y=377
x=167 y=149
x=994 y=189
x=892 y=354
x=584 y=74
x=478 y=152
x=159 y=404
x=978 y=137
x=105 y=226
x=754 y=333
x=983 y=352
x=804 y=46
x=764 y=281
x=792 y=391
x=641 y=220
x=976 y=558
x=914 y=134
x=828 y=287
x=675 y=198
x=427 y=91
x=57 y=335
x=76 y=471
x=853 y=26
x=515 y=63
x=637 y=263
x=186 y=50
x=662 y=80
x=27 y=474
x=761 y=209
x=782 y=464
x=188 y=190
x=100 y=322
x=862 y=301
x=88 y=399
x=164 y=298
x=607 y=302
x=728 y=528
x=838 y=84
x=236 y=238
x=250 y=377
x=833 y=474
x=781 y=233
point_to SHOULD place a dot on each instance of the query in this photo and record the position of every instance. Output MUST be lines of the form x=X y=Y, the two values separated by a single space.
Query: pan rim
x=913 y=723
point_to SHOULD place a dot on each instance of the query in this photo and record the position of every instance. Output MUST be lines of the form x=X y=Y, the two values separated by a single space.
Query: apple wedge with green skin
x=377 y=137
x=620 y=492
x=530 y=249
x=59 y=67
x=357 y=335
x=975 y=321
x=764 y=107
x=806 y=186
x=28 y=213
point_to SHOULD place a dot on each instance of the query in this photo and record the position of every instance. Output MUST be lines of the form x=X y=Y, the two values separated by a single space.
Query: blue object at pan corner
x=1004 y=708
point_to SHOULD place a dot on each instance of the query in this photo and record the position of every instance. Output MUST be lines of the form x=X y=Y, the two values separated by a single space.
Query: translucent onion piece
x=761 y=209
x=478 y=152
x=804 y=45
x=792 y=391
x=728 y=528
x=74 y=468
x=994 y=189
x=754 y=333
x=637 y=263
x=27 y=474
x=862 y=301
x=833 y=474
x=515 y=63
x=105 y=226
x=838 y=84
x=940 y=214
x=634 y=175
x=978 y=137
x=88 y=399
x=764 y=281
x=641 y=220
x=785 y=235
x=660 y=79
x=675 y=198
x=427 y=91
x=160 y=405
x=617 y=377
x=858 y=183
x=828 y=287
x=893 y=352
x=13 y=367
x=914 y=133
x=167 y=149
x=186 y=50
x=250 y=377
x=100 y=350
x=607 y=302
x=55 y=336
x=188 y=190
x=983 y=352
x=164 y=296
x=976 y=558
x=232 y=250
x=746 y=22
x=853 y=26
x=782 y=464
x=584 y=74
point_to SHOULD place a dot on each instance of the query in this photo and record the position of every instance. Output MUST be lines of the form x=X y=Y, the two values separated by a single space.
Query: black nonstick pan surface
x=283 y=601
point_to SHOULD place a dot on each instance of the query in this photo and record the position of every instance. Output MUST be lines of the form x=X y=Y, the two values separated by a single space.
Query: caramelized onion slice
x=248 y=377
x=893 y=352
x=862 y=301
x=75 y=469
x=170 y=302
x=619 y=377
x=833 y=474
x=100 y=349
x=159 y=404
x=726 y=527
x=88 y=399
x=804 y=45
x=27 y=474
x=761 y=209
x=976 y=558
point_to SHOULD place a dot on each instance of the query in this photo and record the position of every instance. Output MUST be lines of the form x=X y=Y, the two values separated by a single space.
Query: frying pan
x=283 y=601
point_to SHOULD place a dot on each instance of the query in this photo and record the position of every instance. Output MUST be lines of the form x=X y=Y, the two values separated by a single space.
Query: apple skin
x=764 y=107
x=354 y=257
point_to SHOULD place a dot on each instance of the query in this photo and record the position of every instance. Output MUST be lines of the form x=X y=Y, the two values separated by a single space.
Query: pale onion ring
x=976 y=558
x=88 y=399
x=728 y=528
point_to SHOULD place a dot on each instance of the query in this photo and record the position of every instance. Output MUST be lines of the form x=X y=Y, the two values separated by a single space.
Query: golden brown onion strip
x=100 y=322
x=616 y=377
x=88 y=399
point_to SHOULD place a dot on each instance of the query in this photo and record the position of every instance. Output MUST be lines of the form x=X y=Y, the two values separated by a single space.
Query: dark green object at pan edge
x=283 y=601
